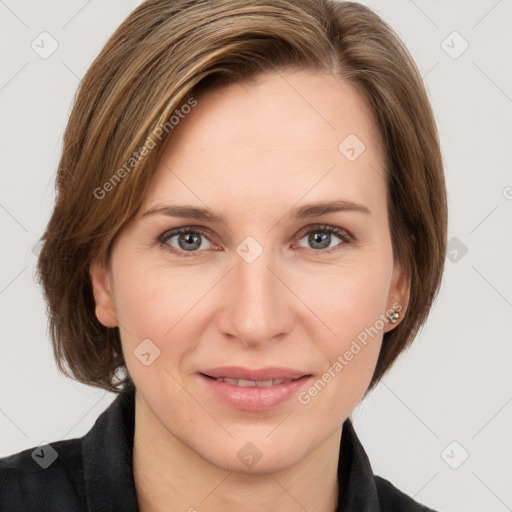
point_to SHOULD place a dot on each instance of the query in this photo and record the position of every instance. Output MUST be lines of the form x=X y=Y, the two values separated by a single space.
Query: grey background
x=452 y=385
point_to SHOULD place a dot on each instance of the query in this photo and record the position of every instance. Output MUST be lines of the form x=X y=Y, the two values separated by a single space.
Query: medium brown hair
x=159 y=57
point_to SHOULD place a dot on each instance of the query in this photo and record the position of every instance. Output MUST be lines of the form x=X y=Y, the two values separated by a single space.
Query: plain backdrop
x=439 y=424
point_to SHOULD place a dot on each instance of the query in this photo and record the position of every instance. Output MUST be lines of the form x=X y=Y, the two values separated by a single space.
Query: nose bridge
x=256 y=307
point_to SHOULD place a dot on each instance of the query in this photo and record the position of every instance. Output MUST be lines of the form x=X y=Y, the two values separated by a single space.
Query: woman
x=250 y=227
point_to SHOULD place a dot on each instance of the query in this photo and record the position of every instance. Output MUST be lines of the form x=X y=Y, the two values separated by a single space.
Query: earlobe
x=103 y=295
x=398 y=298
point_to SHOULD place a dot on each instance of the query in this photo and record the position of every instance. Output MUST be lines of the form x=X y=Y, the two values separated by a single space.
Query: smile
x=253 y=389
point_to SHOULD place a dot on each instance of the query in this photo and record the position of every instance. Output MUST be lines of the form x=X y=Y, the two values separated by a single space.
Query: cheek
x=159 y=304
x=151 y=298
x=348 y=299
x=141 y=301
x=349 y=305
x=149 y=306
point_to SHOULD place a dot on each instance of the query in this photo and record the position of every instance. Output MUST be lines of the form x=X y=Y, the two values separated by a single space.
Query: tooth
x=264 y=383
x=245 y=383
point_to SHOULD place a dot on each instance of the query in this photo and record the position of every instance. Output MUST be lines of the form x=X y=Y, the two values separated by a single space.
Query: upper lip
x=239 y=372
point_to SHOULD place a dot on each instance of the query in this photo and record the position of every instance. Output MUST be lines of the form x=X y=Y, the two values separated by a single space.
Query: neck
x=169 y=475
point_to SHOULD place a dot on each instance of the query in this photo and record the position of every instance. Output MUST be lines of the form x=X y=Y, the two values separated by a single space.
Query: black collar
x=108 y=457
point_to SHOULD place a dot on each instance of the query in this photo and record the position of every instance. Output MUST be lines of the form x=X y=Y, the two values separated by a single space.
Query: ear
x=103 y=294
x=399 y=294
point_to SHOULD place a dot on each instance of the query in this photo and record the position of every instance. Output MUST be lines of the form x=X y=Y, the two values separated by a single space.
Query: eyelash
x=342 y=234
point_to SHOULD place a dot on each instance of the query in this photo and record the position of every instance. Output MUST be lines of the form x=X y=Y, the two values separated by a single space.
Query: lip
x=254 y=398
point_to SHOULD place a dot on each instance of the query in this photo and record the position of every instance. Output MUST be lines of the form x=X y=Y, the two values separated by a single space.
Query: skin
x=253 y=153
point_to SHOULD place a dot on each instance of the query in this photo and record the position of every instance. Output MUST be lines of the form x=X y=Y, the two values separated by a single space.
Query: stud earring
x=393 y=317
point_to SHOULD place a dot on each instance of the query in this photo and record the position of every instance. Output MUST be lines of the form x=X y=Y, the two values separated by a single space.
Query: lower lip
x=255 y=398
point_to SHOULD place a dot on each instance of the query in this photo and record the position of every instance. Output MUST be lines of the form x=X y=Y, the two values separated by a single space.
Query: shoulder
x=392 y=499
x=93 y=472
x=43 y=478
x=360 y=488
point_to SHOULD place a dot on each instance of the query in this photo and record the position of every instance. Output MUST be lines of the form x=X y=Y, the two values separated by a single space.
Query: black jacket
x=94 y=473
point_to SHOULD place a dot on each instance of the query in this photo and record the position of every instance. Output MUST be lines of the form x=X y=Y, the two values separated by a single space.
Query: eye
x=322 y=237
x=181 y=241
x=190 y=241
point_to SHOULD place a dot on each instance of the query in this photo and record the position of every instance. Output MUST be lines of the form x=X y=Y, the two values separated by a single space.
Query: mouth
x=254 y=389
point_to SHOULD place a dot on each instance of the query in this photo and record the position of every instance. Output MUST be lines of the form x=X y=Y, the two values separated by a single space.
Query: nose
x=256 y=306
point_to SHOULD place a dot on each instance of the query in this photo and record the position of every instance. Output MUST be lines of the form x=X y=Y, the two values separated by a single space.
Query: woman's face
x=285 y=297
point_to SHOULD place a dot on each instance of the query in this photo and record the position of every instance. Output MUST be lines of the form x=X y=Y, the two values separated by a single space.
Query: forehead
x=286 y=132
x=279 y=107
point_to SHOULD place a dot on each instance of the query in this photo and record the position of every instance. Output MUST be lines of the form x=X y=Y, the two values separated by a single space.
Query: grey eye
x=188 y=241
x=321 y=239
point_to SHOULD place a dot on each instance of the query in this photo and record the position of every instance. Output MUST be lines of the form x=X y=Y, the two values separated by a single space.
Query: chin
x=259 y=453
x=258 y=466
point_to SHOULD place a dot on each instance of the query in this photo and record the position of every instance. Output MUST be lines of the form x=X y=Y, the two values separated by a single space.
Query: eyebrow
x=301 y=212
